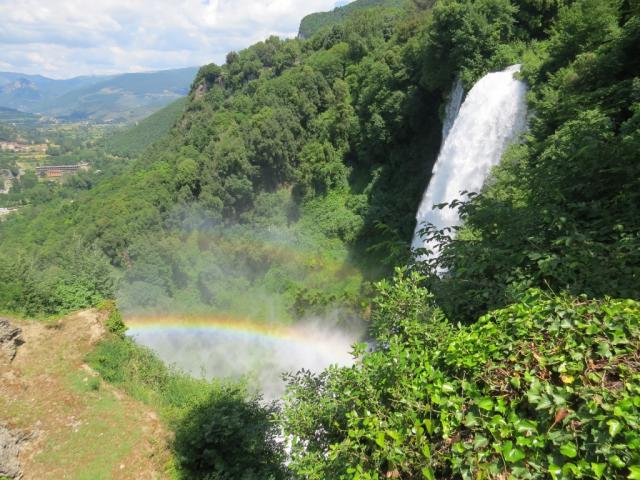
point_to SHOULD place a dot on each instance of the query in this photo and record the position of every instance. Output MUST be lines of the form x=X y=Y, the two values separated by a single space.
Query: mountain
x=27 y=92
x=101 y=99
x=316 y=21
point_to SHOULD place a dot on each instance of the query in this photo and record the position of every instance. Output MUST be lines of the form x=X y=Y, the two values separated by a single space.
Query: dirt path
x=80 y=427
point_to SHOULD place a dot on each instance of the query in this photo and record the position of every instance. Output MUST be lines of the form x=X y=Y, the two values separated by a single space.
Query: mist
x=260 y=359
x=289 y=296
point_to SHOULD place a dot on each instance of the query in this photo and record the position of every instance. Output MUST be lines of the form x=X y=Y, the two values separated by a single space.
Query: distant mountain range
x=102 y=99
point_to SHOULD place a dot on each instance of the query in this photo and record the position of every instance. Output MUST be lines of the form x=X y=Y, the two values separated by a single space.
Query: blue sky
x=65 y=38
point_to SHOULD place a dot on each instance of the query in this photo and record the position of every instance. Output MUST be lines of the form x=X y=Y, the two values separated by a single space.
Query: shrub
x=229 y=436
x=221 y=432
x=114 y=322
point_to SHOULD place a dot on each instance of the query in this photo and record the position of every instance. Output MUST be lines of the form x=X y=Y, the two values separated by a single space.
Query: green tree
x=228 y=436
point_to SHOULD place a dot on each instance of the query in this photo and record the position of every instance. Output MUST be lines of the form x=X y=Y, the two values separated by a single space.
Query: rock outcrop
x=10 y=443
x=10 y=340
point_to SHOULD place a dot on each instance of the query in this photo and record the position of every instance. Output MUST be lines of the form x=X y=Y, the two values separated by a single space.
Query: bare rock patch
x=10 y=444
x=10 y=340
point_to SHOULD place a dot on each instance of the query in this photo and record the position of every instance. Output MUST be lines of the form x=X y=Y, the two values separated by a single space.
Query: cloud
x=63 y=38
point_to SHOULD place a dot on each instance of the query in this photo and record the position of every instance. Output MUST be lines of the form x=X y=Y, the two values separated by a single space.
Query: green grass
x=141 y=374
x=83 y=382
x=81 y=454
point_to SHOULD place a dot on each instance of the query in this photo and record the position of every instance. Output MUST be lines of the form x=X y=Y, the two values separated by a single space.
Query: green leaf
x=380 y=439
x=480 y=442
x=515 y=455
x=635 y=472
x=485 y=403
x=569 y=450
x=393 y=434
x=448 y=388
x=427 y=473
x=555 y=471
x=616 y=461
x=512 y=454
x=614 y=427
x=426 y=451
x=428 y=425
x=598 y=469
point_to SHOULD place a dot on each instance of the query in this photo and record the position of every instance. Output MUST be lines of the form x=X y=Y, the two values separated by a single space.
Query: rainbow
x=214 y=345
x=207 y=322
x=150 y=323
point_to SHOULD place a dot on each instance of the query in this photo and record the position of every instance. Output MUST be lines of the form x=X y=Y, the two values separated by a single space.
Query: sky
x=66 y=38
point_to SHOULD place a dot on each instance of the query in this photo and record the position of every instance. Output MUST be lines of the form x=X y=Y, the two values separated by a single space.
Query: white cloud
x=63 y=38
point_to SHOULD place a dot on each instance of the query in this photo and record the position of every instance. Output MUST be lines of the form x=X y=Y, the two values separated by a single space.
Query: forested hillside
x=131 y=141
x=314 y=22
x=548 y=386
x=291 y=145
x=291 y=182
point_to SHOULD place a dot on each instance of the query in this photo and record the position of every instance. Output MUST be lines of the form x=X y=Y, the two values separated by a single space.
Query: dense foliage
x=292 y=178
x=313 y=23
x=229 y=437
x=548 y=387
x=131 y=141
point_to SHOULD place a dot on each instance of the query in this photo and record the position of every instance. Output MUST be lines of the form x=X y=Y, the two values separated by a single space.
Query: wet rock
x=10 y=340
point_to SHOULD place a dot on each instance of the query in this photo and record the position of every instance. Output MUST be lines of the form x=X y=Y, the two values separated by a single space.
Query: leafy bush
x=79 y=277
x=114 y=322
x=549 y=386
x=228 y=436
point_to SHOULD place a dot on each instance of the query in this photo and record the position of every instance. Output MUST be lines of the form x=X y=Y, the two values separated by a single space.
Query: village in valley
x=38 y=161
x=31 y=157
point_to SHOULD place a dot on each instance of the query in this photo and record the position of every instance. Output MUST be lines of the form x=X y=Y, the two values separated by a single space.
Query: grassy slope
x=86 y=429
x=316 y=21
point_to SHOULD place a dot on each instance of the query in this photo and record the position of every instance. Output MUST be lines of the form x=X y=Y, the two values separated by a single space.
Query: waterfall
x=492 y=115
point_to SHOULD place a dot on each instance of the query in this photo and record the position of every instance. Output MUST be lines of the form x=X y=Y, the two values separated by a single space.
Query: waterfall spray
x=217 y=346
x=492 y=116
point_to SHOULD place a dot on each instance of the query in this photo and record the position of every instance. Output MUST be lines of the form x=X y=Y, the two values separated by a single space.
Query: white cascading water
x=492 y=116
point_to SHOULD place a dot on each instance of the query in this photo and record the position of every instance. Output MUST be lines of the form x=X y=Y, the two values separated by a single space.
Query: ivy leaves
x=528 y=392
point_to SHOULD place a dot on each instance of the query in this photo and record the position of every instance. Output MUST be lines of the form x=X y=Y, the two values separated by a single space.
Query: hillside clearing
x=79 y=426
